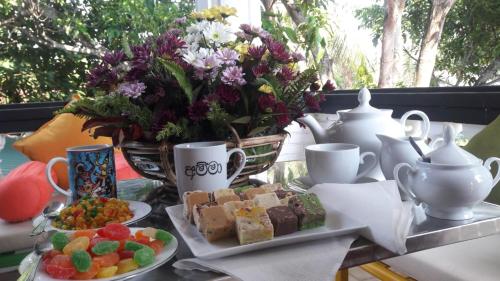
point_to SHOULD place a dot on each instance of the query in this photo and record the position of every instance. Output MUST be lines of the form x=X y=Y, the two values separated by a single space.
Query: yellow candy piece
x=80 y=243
x=106 y=272
x=126 y=265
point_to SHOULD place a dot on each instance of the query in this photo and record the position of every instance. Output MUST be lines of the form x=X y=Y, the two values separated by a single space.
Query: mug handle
x=427 y=122
x=48 y=174
x=406 y=190
x=487 y=164
x=240 y=168
x=362 y=161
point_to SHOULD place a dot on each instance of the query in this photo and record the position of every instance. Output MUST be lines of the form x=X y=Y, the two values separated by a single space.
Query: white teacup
x=203 y=166
x=336 y=162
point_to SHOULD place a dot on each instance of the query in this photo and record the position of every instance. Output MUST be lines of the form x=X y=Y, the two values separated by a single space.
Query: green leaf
x=291 y=33
x=180 y=76
x=242 y=120
x=271 y=81
x=257 y=130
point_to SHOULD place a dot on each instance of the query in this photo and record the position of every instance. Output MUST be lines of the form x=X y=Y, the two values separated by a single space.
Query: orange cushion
x=123 y=169
x=52 y=139
x=24 y=192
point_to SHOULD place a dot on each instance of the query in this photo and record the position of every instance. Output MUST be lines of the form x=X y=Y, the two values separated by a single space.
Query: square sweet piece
x=192 y=198
x=219 y=193
x=228 y=198
x=214 y=223
x=250 y=193
x=283 y=219
x=253 y=225
x=197 y=213
x=266 y=200
x=308 y=210
x=284 y=201
x=271 y=187
x=231 y=207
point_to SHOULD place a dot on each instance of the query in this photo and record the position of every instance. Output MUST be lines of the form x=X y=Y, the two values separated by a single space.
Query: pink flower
x=297 y=57
x=260 y=69
x=257 y=52
x=227 y=95
x=267 y=103
x=329 y=86
x=283 y=118
x=312 y=101
x=278 y=51
x=285 y=75
x=227 y=56
x=131 y=89
x=233 y=76
x=198 y=111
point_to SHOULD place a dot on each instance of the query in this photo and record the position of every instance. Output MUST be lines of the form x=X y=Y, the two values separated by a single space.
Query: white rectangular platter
x=336 y=224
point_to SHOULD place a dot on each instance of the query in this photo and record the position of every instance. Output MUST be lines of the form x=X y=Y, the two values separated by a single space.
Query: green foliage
x=111 y=106
x=180 y=76
x=173 y=130
x=469 y=42
x=48 y=46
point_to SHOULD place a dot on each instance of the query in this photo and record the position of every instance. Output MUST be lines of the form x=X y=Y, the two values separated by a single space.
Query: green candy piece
x=164 y=236
x=133 y=246
x=59 y=240
x=81 y=260
x=144 y=256
x=105 y=247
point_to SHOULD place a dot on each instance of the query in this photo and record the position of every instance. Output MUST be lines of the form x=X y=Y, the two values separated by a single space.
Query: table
x=425 y=233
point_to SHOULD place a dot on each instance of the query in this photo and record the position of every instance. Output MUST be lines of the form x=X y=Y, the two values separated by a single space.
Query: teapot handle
x=487 y=164
x=406 y=190
x=426 y=125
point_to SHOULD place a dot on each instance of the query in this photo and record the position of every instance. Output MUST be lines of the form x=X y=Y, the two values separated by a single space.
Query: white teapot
x=451 y=184
x=360 y=126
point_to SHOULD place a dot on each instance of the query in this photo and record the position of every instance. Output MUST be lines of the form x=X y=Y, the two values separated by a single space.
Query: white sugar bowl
x=451 y=184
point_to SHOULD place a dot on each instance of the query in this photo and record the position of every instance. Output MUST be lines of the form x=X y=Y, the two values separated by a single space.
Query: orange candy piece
x=91 y=273
x=107 y=260
x=157 y=246
x=84 y=233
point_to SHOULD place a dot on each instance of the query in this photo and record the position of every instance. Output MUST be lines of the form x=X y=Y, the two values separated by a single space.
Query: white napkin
x=318 y=260
x=377 y=205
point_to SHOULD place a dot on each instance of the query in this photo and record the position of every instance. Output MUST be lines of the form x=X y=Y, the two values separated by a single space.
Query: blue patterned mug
x=91 y=172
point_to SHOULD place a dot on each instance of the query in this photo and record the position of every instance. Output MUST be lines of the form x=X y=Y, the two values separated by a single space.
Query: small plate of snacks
x=96 y=212
x=233 y=221
x=114 y=252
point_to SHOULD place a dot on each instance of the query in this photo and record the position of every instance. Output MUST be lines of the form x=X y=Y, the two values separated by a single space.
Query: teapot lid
x=364 y=106
x=450 y=153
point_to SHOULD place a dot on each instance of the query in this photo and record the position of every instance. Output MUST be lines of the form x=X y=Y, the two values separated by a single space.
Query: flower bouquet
x=199 y=81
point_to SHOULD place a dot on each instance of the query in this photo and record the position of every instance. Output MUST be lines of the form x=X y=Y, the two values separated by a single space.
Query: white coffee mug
x=203 y=166
x=336 y=162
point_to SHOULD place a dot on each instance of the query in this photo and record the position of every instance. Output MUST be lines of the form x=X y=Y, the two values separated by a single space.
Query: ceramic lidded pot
x=360 y=126
x=451 y=184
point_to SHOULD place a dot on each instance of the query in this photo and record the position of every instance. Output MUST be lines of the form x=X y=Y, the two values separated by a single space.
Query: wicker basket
x=156 y=160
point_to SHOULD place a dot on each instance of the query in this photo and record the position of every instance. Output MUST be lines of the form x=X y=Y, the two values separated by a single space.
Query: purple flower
x=131 y=89
x=227 y=95
x=243 y=35
x=314 y=86
x=260 y=69
x=113 y=58
x=161 y=119
x=266 y=103
x=297 y=57
x=285 y=75
x=198 y=111
x=102 y=77
x=181 y=20
x=168 y=44
x=142 y=56
x=283 y=118
x=278 y=51
x=312 y=101
x=227 y=56
x=329 y=86
x=207 y=63
x=257 y=52
x=246 y=28
x=233 y=76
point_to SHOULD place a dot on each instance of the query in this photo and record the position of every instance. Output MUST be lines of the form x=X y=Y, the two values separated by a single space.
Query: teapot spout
x=387 y=139
x=318 y=132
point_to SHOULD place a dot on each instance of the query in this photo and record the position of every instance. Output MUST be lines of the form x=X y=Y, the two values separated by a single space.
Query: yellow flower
x=293 y=66
x=242 y=49
x=226 y=11
x=266 y=89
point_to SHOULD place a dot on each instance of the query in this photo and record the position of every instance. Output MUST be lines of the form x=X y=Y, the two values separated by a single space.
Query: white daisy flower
x=219 y=33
